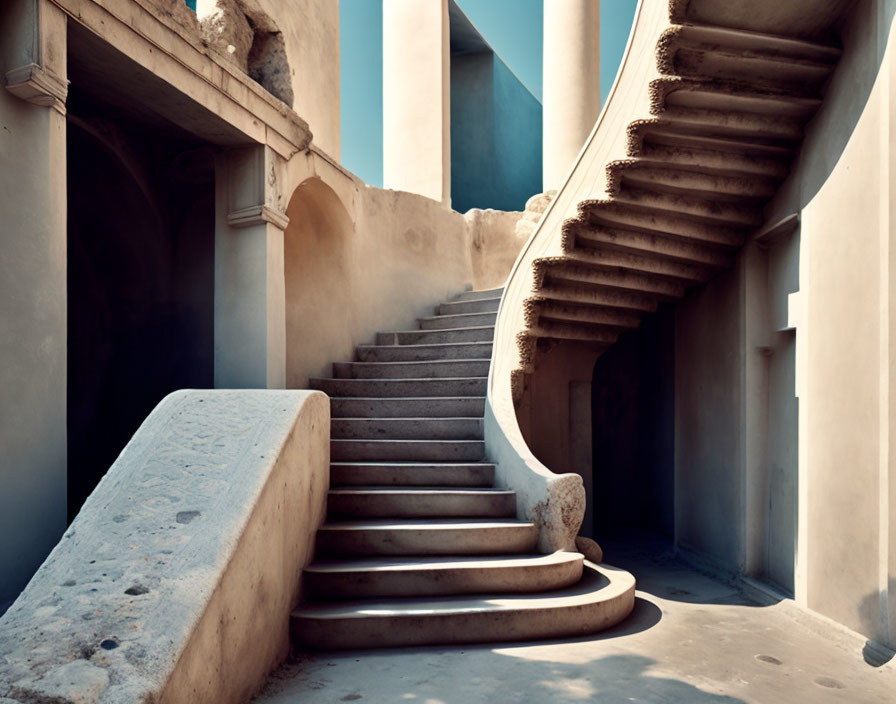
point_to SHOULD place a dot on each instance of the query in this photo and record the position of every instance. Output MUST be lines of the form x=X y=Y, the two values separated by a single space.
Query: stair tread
x=463 y=491
x=425 y=524
x=399 y=563
x=599 y=582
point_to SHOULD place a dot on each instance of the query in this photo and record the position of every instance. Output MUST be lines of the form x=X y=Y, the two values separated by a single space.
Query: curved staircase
x=725 y=115
x=419 y=546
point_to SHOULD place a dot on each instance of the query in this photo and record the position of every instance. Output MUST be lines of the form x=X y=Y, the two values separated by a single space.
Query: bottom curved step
x=602 y=598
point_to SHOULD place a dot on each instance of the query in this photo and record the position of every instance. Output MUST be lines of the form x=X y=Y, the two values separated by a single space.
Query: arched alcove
x=318 y=268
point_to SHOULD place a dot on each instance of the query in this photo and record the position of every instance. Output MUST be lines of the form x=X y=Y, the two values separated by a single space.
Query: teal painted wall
x=495 y=135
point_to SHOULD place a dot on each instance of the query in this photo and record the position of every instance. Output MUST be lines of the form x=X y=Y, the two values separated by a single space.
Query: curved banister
x=556 y=502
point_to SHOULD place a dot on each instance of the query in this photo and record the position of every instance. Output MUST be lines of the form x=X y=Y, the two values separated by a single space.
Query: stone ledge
x=176 y=579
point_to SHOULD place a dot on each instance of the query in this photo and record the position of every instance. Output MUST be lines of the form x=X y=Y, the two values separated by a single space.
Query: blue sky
x=517 y=42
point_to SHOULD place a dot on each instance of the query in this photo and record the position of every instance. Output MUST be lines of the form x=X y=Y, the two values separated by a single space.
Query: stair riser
x=443 y=582
x=378 y=505
x=435 y=337
x=435 y=451
x=407 y=408
x=401 y=388
x=461 y=627
x=476 y=295
x=406 y=428
x=443 y=541
x=483 y=305
x=447 y=322
x=411 y=475
x=420 y=353
x=411 y=370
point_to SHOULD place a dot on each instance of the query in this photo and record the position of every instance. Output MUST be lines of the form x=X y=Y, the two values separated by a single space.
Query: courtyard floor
x=691 y=639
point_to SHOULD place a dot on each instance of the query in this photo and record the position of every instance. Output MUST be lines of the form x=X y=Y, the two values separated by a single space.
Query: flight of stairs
x=419 y=547
x=726 y=120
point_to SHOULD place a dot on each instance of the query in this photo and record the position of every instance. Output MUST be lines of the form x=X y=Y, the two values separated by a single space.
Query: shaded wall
x=140 y=285
x=32 y=318
x=633 y=431
x=495 y=135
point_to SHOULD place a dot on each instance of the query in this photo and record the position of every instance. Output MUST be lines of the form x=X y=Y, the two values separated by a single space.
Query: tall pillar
x=33 y=322
x=250 y=289
x=416 y=99
x=571 y=92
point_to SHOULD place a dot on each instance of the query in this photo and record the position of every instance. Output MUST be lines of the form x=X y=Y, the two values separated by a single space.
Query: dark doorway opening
x=140 y=274
x=633 y=433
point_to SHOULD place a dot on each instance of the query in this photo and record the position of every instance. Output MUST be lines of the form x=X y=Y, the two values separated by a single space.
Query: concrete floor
x=691 y=639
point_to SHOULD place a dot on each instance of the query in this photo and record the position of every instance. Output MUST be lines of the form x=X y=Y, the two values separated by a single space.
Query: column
x=416 y=100
x=250 y=298
x=571 y=92
x=33 y=323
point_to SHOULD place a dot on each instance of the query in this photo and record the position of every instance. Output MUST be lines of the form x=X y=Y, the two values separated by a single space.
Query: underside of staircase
x=726 y=120
x=419 y=546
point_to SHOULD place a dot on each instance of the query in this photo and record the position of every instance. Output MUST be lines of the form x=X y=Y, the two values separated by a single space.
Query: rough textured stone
x=590 y=549
x=137 y=603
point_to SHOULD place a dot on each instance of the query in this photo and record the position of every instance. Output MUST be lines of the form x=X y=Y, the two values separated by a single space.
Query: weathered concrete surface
x=690 y=640
x=176 y=580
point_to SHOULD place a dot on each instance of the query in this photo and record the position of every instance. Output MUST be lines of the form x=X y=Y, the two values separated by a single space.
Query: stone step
x=436 y=407
x=646 y=263
x=538 y=309
x=475 y=295
x=408 y=450
x=403 y=388
x=444 y=536
x=731 y=96
x=567 y=271
x=711 y=212
x=732 y=124
x=589 y=237
x=477 y=333
x=441 y=576
x=478 y=305
x=661 y=133
x=610 y=299
x=728 y=54
x=411 y=474
x=420 y=502
x=423 y=352
x=406 y=428
x=650 y=176
x=712 y=161
x=602 y=598
x=461 y=320
x=432 y=369
x=657 y=222
x=601 y=335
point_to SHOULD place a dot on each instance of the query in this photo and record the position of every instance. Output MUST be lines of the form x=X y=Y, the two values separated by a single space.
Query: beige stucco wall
x=359 y=260
x=843 y=186
x=311 y=33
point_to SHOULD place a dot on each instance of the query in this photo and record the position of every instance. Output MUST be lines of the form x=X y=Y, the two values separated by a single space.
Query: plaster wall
x=311 y=34
x=360 y=260
x=495 y=135
x=709 y=460
x=32 y=316
x=842 y=186
x=496 y=241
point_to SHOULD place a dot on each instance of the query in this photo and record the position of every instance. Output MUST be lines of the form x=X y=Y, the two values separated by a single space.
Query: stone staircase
x=419 y=546
x=726 y=119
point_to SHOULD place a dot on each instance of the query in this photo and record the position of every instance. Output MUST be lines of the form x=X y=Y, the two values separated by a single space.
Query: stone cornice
x=38 y=85
x=256 y=215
